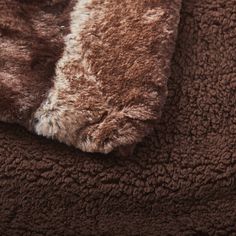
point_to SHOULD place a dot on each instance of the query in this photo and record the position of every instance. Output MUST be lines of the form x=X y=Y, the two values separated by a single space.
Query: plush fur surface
x=31 y=42
x=89 y=73
x=179 y=181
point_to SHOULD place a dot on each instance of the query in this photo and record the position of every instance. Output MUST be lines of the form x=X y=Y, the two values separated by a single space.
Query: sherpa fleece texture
x=111 y=59
x=180 y=180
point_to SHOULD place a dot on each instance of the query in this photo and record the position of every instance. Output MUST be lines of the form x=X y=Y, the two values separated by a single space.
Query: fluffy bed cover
x=180 y=179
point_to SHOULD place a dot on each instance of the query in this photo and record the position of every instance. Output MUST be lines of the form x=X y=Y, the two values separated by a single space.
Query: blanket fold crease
x=110 y=74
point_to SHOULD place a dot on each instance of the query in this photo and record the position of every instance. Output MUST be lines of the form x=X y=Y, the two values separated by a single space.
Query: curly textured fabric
x=180 y=181
x=110 y=80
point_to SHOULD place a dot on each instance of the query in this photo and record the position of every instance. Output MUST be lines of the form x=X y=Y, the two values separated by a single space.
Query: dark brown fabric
x=180 y=181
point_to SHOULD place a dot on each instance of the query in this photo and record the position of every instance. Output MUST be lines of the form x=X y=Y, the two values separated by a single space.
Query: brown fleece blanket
x=180 y=179
x=112 y=61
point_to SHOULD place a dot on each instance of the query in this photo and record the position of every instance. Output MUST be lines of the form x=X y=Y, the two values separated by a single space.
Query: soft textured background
x=180 y=181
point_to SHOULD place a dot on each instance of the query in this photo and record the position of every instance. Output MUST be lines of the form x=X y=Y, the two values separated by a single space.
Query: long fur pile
x=89 y=73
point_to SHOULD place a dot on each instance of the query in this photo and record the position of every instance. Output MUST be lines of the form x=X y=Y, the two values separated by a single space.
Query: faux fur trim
x=111 y=82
